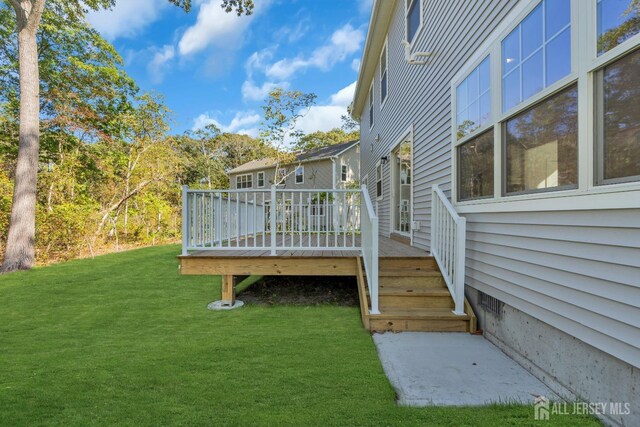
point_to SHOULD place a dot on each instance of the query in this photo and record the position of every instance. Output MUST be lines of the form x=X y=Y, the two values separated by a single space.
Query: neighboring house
x=332 y=167
x=527 y=115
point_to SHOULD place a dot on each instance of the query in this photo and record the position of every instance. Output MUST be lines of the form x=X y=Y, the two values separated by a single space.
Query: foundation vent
x=491 y=304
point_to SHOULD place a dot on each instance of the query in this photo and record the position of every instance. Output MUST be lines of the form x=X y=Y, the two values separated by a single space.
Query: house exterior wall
x=576 y=270
x=318 y=174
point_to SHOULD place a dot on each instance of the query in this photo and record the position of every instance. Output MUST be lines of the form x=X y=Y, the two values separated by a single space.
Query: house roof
x=308 y=156
x=376 y=35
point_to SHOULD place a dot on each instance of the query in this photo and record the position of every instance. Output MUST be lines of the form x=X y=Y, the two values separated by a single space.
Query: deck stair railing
x=448 y=234
x=369 y=224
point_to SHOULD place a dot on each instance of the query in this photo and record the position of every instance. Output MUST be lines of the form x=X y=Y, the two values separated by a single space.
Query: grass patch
x=124 y=339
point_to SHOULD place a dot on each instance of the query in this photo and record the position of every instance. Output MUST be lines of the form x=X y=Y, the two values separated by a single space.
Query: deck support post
x=228 y=290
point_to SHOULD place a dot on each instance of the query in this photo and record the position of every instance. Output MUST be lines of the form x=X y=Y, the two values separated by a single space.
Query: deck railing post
x=459 y=273
x=272 y=219
x=185 y=219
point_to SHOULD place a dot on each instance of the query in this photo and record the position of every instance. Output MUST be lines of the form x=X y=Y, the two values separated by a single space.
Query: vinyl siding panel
x=578 y=271
x=419 y=99
x=317 y=175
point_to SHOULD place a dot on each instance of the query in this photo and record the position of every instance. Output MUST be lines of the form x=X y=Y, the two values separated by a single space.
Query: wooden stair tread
x=420 y=314
x=413 y=291
x=406 y=272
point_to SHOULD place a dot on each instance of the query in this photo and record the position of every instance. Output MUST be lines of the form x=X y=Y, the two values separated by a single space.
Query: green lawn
x=124 y=339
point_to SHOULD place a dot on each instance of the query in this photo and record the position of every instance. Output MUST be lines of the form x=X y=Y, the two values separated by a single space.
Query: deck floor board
x=307 y=247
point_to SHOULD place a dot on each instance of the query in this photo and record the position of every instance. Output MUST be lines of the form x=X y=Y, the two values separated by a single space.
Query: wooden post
x=228 y=290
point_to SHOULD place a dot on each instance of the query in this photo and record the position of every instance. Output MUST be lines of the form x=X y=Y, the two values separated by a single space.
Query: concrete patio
x=453 y=369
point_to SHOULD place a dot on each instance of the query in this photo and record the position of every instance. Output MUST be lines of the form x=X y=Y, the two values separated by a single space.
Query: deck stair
x=413 y=296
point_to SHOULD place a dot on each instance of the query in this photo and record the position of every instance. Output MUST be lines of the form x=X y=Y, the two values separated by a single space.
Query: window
x=413 y=18
x=542 y=145
x=371 y=106
x=473 y=100
x=537 y=53
x=379 y=181
x=300 y=174
x=260 y=179
x=383 y=75
x=244 y=181
x=475 y=167
x=618 y=20
x=619 y=118
x=282 y=174
x=344 y=171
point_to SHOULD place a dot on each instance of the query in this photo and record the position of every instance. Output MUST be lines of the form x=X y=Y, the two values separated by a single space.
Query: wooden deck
x=413 y=295
x=249 y=248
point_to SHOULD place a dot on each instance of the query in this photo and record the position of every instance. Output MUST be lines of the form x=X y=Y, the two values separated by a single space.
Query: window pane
x=485 y=108
x=413 y=19
x=622 y=118
x=532 y=32
x=511 y=90
x=472 y=85
x=558 y=59
x=511 y=51
x=483 y=71
x=542 y=145
x=461 y=96
x=532 y=75
x=618 y=20
x=383 y=87
x=557 y=16
x=471 y=93
x=475 y=165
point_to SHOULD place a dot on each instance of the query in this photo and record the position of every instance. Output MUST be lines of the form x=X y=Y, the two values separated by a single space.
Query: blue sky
x=214 y=67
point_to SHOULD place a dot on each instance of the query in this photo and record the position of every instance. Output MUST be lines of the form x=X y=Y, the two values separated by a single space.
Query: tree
x=321 y=139
x=281 y=114
x=20 y=253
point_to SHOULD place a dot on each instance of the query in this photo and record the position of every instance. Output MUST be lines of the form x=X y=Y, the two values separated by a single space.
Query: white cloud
x=258 y=62
x=364 y=6
x=355 y=65
x=215 y=27
x=344 y=42
x=327 y=117
x=127 y=18
x=344 y=96
x=244 y=122
x=156 y=66
x=252 y=92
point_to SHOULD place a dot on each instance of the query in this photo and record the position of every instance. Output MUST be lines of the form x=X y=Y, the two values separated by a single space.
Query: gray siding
x=318 y=174
x=578 y=271
x=419 y=97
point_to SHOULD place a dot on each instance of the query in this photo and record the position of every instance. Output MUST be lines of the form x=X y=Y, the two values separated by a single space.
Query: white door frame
x=406 y=136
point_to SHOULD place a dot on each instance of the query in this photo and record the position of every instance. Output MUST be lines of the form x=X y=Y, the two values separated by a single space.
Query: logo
x=541 y=408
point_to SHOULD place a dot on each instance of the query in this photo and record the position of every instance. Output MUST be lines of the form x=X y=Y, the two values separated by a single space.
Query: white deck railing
x=279 y=219
x=270 y=219
x=369 y=224
x=448 y=233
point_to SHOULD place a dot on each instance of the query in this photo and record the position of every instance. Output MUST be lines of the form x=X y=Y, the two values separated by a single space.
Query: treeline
x=109 y=171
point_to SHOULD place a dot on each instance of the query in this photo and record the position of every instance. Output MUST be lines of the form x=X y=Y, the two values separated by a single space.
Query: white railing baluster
x=448 y=234
x=292 y=219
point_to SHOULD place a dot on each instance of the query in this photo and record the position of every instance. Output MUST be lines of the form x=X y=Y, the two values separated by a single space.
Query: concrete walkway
x=429 y=368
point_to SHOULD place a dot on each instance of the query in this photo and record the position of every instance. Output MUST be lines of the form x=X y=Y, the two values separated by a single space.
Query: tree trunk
x=20 y=251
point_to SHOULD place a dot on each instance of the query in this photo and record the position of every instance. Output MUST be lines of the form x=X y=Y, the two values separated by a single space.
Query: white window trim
x=381 y=166
x=344 y=165
x=258 y=179
x=385 y=51
x=295 y=179
x=584 y=62
x=238 y=177
x=372 y=105
x=406 y=23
